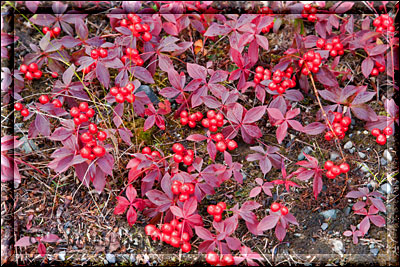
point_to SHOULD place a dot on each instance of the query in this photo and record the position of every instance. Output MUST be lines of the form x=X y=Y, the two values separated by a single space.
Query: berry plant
x=224 y=134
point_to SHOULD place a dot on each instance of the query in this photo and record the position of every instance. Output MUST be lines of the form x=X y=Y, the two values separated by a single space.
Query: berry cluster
x=381 y=136
x=377 y=69
x=281 y=80
x=184 y=191
x=82 y=113
x=20 y=107
x=133 y=55
x=138 y=29
x=154 y=154
x=99 y=52
x=216 y=211
x=182 y=154
x=171 y=233
x=222 y=143
x=123 y=94
x=383 y=23
x=31 y=71
x=213 y=120
x=275 y=207
x=340 y=127
x=91 y=150
x=266 y=10
x=310 y=62
x=44 y=99
x=262 y=74
x=335 y=47
x=191 y=119
x=309 y=13
x=54 y=32
x=212 y=258
x=333 y=170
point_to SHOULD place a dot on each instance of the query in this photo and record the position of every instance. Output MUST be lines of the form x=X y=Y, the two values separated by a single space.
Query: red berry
x=92 y=128
x=345 y=122
x=178 y=158
x=333 y=53
x=212 y=258
x=103 y=53
x=124 y=23
x=381 y=139
x=232 y=145
x=94 y=54
x=167 y=228
x=33 y=67
x=37 y=74
x=56 y=31
x=77 y=121
x=146 y=27
x=176 y=188
x=44 y=99
x=211 y=114
x=338 y=116
x=227 y=260
x=90 y=113
x=120 y=98
x=320 y=43
x=329 y=135
x=191 y=189
x=149 y=229
x=155 y=154
x=375 y=132
x=184 y=120
x=259 y=69
x=54 y=74
x=192 y=124
x=211 y=209
x=23 y=68
x=101 y=136
x=146 y=150
x=219 y=117
x=213 y=128
x=45 y=30
x=187 y=160
x=183 y=197
x=130 y=98
x=344 y=167
x=86 y=137
x=184 y=114
x=387 y=131
x=186 y=247
x=74 y=112
x=178 y=148
x=199 y=115
x=284 y=210
x=193 y=117
x=185 y=189
x=275 y=207
x=166 y=238
x=222 y=205
x=25 y=112
x=84 y=106
x=185 y=237
x=146 y=36
x=219 y=137
x=330 y=175
x=218 y=217
x=99 y=151
x=328 y=165
x=221 y=146
x=18 y=106
x=374 y=72
x=328 y=46
x=335 y=170
x=85 y=152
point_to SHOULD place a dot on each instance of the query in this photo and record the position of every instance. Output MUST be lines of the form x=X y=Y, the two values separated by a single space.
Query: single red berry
x=375 y=132
x=335 y=170
x=211 y=114
x=187 y=160
x=320 y=43
x=94 y=54
x=146 y=36
x=190 y=153
x=120 y=98
x=77 y=121
x=193 y=117
x=92 y=128
x=328 y=46
x=83 y=118
x=184 y=120
x=86 y=137
x=183 y=197
x=178 y=148
x=166 y=238
x=91 y=156
x=101 y=136
x=211 y=209
x=232 y=145
x=205 y=123
x=103 y=53
x=23 y=68
x=155 y=154
x=83 y=106
x=130 y=98
x=167 y=228
x=213 y=128
x=221 y=146
x=186 y=247
x=146 y=150
x=149 y=229
x=191 y=189
x=184 y=114
x=199 y=116
x=56 y=31
x=344 y=167
x=374 y=72
x=345 y=122
x=227 y=260
x=33 y=67
x=381 y=139
x=99 y=151
x=212 y=258
x=259 y=69
x=333 y=53
x=284 y=210
x=54 y=74
x=37 y=74
x=25 y=112
x=218 y=210
x=85 y=152
x=218 y=217
x=90 y=113
x=328 y=165
x=74 y=112
x=330 y=175
x=18 y=106
x=329 y=135
x=146 y=27
x=176 y=188
x=44 y=99
x=387 y=130
x=222 y=205
x=185 y=189
x=185 y=237
x=275 y=207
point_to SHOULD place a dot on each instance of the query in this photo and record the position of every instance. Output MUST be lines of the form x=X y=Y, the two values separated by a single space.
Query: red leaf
x=50 y=238
x=366 y=66
x=131 y=193
x=203 y=233
x=196 y=137
x=131 y=216
x=25 y=241
x=326 y=77
x=254 y=114
x=268 y=222
x=189 y=207
x=196 y=71
x=280 y=232
x=281 y=132
x=149 y=122
x=42 y=249
x=102 y=74
x=122 y=205
x=177 y=211
x=364 y=225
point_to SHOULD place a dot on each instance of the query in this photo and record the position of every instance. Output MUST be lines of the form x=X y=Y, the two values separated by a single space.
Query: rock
x=374 y=251
x=149 y=92
x=364 y=167
x=301 y=156
x=308 y=149
x=110 y=258
x=383 y=162
x=28 y=146
x=372 y=185
x=387 y=156
x=350 y=135
x=334 y=156
x=61 y=255
x=324 y=226
x=361 y=155
x=348 y=145
x=347 y=211
x=386 y=188
x=365 y=132
x=329 y=214
x=351 y=150
x=338 y=246
x=372 y=246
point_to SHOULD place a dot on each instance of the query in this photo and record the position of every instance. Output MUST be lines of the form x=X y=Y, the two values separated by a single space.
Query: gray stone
x=301 y=156
x=110 y=258
x=361 y=155
x=364 y=167
x=386 y=188
x=308 y=149
x=372 y=185
x=374 y=251
x=61 y=255
x=365 y=132
x=324 y=226
x=334 y=156
x=383 y=162
x=347 y=211
x=351 y=150
x=28 y=146
x=329 y=214
x=149 y=92
x=387 y=155
x=348 y=145
x=372 y=246
x=353 y=122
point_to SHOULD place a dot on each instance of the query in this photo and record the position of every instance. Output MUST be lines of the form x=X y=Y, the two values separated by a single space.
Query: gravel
x=374 y=251
x=149 y=92
x=324 y=226
x=61 y=255
x=383 y=162
x=361 y=155
x=386 y=188
x=110 y=258
x=364 y=167
x=387 y=155
x=334 y=156
x=329 y=214
x=348 y=145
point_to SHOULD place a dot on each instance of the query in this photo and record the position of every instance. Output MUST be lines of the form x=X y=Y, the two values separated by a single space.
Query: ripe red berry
x=86 y=137
x=185 y=189
x=275 y=207
x=211 y=114
x=74 y=112
x=44 y=99
x=18 y=106
x=232 y=145
x=186 y=247
x=345 y=122
x=120 y=98
x=149 y=229
x=83 y=118
x=178 y=158
x=191 y=189
x=130 y=98
x=99 y=151
x=218 y=210
x=146 y=150
x=176 y=188
x=146 y=36
x=330 y=175
x=183 y=197
x=221 y=146
x=185 y=237
x=218 y=217
x=56 y=31
x=184 y=114
x=335 y=170
x=344 y=167
x=192 y=124
x=211 y=209
x=328 y=165
x=54 y=74
x=213 y=128
x=375 y=132
x=33 y=67
x=103 y=53
x=199 y=116
x=205 y=123
x=155 y=154
x=259 y=69
x=178 y=148
x=85 y=152
x=94 y=54
x=25 y=112
x=187 y=160
x=23 y=68
x=320 y=43
x=167 y=228
x=83 y=106
x=212 y=258
x=222 y=205
x=227 y=260
x=77 y=121
x=284 y=210
x=374 y=72
x=387 y=130
x=184 y=120
x=381 y=139
x=101 y=136
x=329 y=135
x=37 y=74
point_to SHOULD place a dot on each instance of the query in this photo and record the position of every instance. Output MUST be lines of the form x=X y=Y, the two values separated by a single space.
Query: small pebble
x=372 y=246
x=375 y=251
x=110 y=258
x=61 y=255
x=353 y=122
x=324 y=226
x=351 y=150
x=364 y=167
x=383 y=162
x=387 y=155
x=361 y=155
x=301 y=156
x=386 y=188
x=307 y=149
x=329 y=214
x=334 y=156
x=348 y=145
x=347 y=211
x=365 y=132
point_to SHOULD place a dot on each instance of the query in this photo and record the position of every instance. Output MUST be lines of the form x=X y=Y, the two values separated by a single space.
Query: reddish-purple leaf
x=268 y=222
x=25 y=241
x=131 y=216
x=50 y=238
x=366 y=66
x=42 y=249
